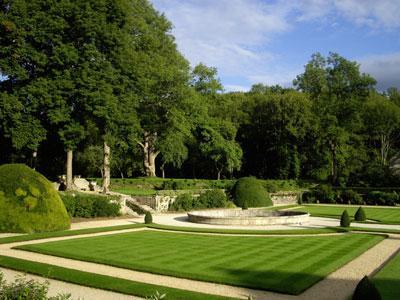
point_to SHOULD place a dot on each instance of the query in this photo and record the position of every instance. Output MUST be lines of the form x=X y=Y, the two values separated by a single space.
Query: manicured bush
x=345 y=219
x=211 y=199
x=248 y=191
x=350 y=197
x=182 y=202
x=148 y=218
x=366 y=290
x=82 y=205
x=29 y=202
x=360 y=215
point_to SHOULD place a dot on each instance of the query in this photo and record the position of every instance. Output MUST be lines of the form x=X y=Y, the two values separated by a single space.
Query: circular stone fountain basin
x=248 y=217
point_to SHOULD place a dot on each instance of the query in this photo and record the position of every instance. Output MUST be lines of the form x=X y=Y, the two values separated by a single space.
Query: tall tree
x=161 y=77
x=382 y=124
x=338 y=90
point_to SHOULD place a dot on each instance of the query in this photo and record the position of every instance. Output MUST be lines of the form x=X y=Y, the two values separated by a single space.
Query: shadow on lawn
x=303 y=286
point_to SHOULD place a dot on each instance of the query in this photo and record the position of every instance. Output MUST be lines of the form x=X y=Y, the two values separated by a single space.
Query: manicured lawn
x=388 y=280
x=282 y=264
x=380 y=214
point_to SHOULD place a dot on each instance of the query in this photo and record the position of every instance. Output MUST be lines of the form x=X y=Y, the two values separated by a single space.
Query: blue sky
x=261 y=41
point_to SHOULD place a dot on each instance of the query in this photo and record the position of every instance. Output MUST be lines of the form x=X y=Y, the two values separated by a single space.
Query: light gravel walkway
x=337 y=286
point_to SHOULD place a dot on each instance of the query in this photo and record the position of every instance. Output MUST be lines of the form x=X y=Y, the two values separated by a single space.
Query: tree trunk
x=163 y=171
x=334 y=167
x=149 y=154
x=106 y=168
x=69 y=180
x=385 y=147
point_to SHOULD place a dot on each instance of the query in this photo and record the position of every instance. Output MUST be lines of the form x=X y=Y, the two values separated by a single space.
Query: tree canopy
x=101 y=85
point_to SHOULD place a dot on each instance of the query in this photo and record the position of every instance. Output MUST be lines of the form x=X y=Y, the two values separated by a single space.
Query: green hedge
x=248 y=192
x=89 y=206
x=208 y=199
x=327 y=194
x=29 y=202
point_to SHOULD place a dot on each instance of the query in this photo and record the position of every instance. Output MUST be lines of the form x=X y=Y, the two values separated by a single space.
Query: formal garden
x=126 y=172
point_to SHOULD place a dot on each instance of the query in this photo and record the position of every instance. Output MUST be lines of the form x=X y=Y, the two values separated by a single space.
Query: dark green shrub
x=360 y=215
x=271 y=187
x=382 y=198
x=325 y=194
x=308 y=197
x=182 y=202
x=366 y=290
x=148 y=218
x=211 y=199
x=29 y=202
x=345 y=219
x=248 y=191
x=103 y=207
x=80 y=205
x=350 y=197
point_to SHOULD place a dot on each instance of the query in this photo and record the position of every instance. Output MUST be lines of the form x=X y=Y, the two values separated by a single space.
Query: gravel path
x=339 y=285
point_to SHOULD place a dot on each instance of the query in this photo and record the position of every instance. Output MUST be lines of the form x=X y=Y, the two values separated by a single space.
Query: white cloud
x=226 y=34
x=234 y=35
x=373 y=13
x=384 y=68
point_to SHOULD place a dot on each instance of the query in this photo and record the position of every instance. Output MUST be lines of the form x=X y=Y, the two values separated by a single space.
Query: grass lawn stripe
x=387 y=280
x=99 y=281
x=380 y=214
x=254 y=262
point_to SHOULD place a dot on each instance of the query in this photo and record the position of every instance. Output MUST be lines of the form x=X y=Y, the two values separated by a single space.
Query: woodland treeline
x=98 y=88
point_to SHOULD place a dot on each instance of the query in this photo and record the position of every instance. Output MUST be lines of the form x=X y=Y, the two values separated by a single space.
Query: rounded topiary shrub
x=345 y=219
x=148 y=218
x=248 y=192
x=360 y=215
x=366 y=290
x=29 y=202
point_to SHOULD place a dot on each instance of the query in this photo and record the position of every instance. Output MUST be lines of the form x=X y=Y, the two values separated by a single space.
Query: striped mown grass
x=380 y=214
x=282 y=264
x=387 y=280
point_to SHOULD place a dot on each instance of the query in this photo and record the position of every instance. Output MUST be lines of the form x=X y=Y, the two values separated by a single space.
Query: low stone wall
x=248 y=217
x=285 y=198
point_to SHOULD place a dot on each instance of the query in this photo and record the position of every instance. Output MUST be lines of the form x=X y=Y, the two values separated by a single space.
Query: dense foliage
x=29 y=202
x=248 y=192
x=207 y=199
x=326 y=194
x=103 y=80
x=88 y=205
